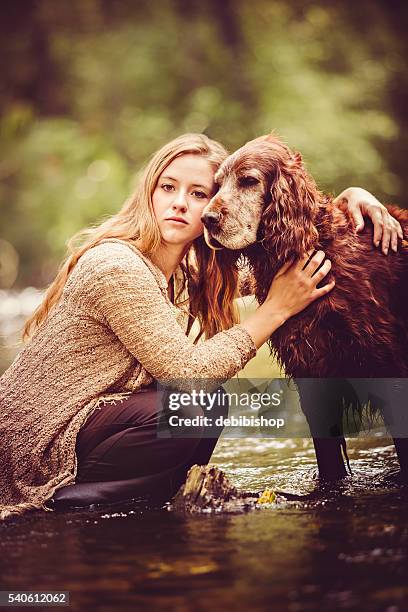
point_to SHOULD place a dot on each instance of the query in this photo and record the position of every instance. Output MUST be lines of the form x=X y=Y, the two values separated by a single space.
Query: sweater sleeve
x=125 y=292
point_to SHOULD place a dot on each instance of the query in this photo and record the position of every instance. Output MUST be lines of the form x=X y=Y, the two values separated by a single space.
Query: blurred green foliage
x=91 y=88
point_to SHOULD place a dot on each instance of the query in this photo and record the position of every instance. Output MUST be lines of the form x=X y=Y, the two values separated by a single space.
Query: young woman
x=79 y=409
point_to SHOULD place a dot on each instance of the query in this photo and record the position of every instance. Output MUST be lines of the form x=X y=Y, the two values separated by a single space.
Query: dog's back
x=360 y=329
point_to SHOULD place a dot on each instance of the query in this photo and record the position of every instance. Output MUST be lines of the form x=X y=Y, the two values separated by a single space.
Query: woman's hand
x=360 y=202
x=295 y=285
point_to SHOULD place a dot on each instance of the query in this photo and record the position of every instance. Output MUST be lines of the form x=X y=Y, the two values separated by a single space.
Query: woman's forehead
x=190 y=167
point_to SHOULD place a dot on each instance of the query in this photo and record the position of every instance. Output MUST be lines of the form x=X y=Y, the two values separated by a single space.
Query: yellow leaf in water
x=267 y=497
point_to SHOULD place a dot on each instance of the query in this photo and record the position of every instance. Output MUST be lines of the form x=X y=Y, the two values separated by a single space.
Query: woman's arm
x=360 y=203
x=118 y=289
x=123 y=294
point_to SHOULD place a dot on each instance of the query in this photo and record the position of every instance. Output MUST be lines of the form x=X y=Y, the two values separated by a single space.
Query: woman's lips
x=177 y=220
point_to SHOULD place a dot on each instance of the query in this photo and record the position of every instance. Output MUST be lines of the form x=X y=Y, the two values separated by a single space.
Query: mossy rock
x=207 y=490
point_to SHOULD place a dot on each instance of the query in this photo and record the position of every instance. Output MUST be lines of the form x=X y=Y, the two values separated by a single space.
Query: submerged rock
x=207 y=489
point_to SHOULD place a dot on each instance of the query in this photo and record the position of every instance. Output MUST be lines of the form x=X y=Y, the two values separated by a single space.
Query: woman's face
x=183 y=190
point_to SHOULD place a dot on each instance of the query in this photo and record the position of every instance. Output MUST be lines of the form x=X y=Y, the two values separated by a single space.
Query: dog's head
x=264 y=195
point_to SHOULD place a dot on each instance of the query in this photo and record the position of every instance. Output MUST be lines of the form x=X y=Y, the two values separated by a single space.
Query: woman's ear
x=287 y=221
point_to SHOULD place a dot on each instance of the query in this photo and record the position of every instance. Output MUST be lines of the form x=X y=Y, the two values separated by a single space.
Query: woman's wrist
x=275 y=311
x=265 y=320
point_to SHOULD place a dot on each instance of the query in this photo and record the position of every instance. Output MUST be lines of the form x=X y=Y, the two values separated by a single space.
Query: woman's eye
x=167 y=187
x=200 y=194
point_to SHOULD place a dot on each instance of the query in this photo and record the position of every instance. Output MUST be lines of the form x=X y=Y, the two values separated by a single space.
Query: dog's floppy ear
x=287 y=221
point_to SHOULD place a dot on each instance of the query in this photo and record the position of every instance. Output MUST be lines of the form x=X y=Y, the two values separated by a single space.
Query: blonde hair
x=211 y=277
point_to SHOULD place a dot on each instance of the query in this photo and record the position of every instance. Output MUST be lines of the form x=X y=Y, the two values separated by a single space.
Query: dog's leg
x=401 y=443
x=322 y=403
x=387 y=396
x=401 y=446
x=392 y=393
x=329 y=458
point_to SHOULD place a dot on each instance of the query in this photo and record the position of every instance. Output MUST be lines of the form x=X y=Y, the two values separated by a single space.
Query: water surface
x=344 y=550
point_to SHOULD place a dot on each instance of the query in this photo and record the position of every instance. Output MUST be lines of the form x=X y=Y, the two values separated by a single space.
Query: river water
x=344 y=550
x=347 y=549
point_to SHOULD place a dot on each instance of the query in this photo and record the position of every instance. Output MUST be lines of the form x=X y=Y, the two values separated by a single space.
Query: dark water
x=346 y=550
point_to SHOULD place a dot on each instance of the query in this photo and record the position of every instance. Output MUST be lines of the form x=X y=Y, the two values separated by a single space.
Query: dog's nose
x=211 y=218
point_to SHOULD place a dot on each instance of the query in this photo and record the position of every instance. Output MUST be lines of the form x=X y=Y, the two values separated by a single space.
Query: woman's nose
x=180 y=201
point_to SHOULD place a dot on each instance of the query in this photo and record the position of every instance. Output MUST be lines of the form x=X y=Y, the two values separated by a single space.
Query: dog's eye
x=248 y=181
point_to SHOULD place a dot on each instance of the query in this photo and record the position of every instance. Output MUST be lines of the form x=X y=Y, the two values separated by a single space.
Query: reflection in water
x=344 y=549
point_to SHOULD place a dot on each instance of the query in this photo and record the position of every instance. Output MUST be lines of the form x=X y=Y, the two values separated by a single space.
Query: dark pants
x=124 y=453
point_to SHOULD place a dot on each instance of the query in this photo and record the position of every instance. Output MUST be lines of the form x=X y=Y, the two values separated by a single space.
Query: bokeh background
x=90 y=88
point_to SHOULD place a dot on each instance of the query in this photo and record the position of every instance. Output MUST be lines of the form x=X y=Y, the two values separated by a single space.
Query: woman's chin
x=175 y=240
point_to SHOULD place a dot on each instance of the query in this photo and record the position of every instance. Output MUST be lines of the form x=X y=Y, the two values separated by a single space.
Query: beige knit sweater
x=113 y=332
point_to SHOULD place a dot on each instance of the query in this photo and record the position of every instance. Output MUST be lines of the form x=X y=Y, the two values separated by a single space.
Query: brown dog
x=269 y=209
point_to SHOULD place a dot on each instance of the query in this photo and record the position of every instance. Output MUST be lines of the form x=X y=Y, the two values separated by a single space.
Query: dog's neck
x=328 y=220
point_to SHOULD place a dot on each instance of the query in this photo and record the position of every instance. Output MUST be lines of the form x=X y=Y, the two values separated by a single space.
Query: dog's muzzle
x=211 y=219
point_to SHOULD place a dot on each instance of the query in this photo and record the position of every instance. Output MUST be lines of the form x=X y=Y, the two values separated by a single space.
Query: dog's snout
x=211 y=218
